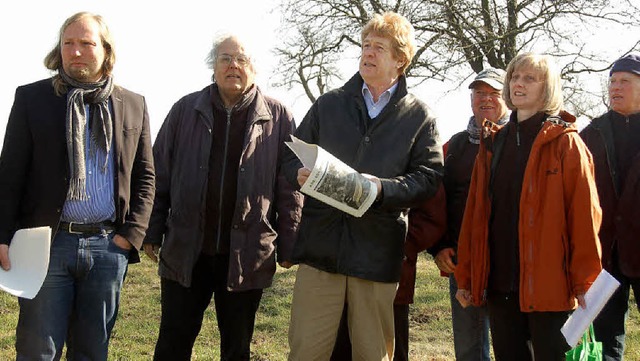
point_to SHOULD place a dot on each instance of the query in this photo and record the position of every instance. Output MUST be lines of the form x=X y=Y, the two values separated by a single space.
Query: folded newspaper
x=333 y=182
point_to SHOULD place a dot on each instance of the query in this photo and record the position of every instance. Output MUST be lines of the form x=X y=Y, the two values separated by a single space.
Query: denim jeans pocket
x=113 y=247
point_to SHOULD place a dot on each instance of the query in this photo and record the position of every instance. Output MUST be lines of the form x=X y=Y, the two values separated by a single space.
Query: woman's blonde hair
x=548 y=73
x=397 y=28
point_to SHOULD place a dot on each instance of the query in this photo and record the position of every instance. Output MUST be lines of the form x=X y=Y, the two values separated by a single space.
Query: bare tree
x=456 y=38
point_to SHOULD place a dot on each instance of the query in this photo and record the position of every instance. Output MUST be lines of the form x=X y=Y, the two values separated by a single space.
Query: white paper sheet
x=596 y=297
x=29 y=256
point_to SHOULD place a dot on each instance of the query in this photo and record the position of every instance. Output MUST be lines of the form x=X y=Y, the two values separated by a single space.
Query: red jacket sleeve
x=427 y=224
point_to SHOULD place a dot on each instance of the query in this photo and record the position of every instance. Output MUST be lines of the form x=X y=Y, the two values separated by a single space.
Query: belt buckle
x=69 y=230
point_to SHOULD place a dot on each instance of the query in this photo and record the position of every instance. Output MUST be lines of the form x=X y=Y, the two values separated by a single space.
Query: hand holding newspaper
x=333 y=182
x=595 y=298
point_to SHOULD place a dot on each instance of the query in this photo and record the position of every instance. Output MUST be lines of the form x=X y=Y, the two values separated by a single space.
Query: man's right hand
x=152 y=251
x=464 y=297
x=303 y=174
x=5 y=263
x=444 y=260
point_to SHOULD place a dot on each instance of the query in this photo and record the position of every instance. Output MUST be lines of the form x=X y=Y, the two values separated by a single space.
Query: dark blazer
x=34 y=166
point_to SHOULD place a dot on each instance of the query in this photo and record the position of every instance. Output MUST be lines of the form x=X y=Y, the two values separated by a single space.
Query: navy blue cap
x=629 y=63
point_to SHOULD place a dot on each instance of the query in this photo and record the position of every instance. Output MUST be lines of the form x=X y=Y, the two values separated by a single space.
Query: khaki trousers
x=318 y=300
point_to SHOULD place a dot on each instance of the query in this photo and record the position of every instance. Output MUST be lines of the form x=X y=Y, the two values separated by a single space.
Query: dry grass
x=137 y=327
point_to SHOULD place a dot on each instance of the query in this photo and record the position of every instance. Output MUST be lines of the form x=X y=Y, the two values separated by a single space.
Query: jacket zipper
x=222 y=173
x=611 y=170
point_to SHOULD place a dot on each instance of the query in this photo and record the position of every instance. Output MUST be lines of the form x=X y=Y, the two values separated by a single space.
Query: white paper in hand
x=595 y=298
x=29 y=256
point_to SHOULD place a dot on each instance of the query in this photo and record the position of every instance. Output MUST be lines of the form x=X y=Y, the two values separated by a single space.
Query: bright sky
x=161 y=48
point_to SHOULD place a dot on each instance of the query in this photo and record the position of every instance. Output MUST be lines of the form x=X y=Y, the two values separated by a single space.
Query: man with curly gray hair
x=223 y=213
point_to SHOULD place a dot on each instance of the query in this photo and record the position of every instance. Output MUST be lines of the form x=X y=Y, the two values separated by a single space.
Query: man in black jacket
x=77 y=158
x=377 y=128
x=614 y=142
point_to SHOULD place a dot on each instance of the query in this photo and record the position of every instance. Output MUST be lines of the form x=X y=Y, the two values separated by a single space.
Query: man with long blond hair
x=77 y=158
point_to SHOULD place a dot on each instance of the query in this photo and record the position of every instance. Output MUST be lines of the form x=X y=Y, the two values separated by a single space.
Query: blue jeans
x=78 y=301
x=470 y=328
x=609 y=326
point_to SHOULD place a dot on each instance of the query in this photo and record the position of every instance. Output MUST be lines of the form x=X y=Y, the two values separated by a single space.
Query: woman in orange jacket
x=529 y=244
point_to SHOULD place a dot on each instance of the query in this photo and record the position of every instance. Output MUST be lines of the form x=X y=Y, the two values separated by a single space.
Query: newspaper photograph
x=333 y=182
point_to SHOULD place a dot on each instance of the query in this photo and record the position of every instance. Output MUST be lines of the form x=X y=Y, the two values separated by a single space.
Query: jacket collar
x=258 y=108
x=245 y=100
x=556 y=125
x=354 y=86
x=602 y=125
x=552 y=127
x=603 y=122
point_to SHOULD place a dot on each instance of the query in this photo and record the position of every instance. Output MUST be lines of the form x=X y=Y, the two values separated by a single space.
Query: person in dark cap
x=614 y=142
x=471 y=324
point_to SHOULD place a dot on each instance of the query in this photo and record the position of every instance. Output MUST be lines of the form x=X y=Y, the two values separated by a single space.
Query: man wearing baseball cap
x=614 y=141
x=471 y=324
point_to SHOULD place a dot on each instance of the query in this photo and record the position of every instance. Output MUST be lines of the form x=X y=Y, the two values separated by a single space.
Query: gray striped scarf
x=101 y=128
x=474 y=130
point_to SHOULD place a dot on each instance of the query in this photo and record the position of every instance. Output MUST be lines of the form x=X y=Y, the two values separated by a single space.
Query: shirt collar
x=385 y=94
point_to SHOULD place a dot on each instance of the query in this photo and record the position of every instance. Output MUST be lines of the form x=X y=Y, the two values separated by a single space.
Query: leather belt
x=87 y=228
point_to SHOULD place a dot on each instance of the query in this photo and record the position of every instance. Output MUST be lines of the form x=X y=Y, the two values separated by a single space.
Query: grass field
x=137 y=327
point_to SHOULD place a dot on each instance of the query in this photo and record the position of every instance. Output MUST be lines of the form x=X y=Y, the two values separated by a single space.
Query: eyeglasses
x=226 y=59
